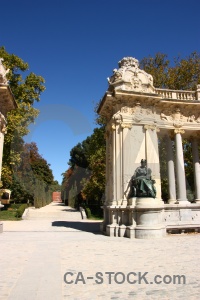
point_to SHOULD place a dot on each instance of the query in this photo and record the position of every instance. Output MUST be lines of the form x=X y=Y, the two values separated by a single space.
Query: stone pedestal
x=149 y=218
x=111 y=230
x=130 y=231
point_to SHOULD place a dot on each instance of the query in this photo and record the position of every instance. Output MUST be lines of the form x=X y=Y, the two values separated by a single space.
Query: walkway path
x=37 y=252
x=53 y=217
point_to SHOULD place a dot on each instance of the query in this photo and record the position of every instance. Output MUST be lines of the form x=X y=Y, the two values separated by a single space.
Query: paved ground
x=37 y=253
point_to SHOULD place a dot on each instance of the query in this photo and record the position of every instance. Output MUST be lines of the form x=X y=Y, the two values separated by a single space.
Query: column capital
x=179 y=130
x=152 y=127
x=126 y=125
x=113 y=126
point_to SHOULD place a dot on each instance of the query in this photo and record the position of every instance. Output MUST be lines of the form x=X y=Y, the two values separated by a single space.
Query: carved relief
x=126 y=125
x=152 y=127
x=139 y=113
x=193 y=119
x=130 y=77
x=125 y=109
x=178 y=118
x=117 y=119
x=3 y=73
x=3 y=123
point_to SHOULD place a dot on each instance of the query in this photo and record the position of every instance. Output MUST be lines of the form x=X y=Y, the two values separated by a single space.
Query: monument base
x=182 y=219
x=150 y=218
x=150 y=232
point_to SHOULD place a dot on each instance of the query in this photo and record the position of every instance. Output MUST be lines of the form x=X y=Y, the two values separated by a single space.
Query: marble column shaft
x=114 y=163
x=180 y=169
x=196 y=166
x=170 y=171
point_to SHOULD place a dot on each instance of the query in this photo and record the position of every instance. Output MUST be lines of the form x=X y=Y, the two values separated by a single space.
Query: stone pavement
x=36 y=253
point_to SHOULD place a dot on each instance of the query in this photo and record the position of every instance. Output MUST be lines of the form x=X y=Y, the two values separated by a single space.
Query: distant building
x=56 y=197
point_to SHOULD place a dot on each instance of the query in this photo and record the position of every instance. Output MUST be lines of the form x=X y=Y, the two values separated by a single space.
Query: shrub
x=88 y=212
x=20 y=210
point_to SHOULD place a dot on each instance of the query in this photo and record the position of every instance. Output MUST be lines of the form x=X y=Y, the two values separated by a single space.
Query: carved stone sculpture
x=3 y=73
x=130 y=77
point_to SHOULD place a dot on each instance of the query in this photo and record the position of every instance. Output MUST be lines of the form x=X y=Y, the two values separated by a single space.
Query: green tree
x=180 y=74
x=86 y=174
x=26 y=88
x=32 y=178
x=94 y=186
x=39 y=165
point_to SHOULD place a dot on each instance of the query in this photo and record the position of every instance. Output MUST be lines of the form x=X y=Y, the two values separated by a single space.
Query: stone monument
x=137 y=114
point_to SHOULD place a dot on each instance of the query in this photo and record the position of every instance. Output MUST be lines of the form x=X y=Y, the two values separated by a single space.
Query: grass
x=8 y=215
x=92 y=217
x=13 y=212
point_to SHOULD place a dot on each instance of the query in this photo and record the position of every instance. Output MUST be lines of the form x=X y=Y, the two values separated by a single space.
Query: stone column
x=180 y=169
x=107 y=196
x=152 y=155
x=195 y=155
x=114 y=164
x=125 y=128
x=198 y=91
x=170 y=171
x=118 y=164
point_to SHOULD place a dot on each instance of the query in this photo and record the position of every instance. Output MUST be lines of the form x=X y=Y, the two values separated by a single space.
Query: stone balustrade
x=177 y=94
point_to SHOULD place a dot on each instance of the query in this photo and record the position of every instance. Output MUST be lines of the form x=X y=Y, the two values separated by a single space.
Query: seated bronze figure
x=141 y=183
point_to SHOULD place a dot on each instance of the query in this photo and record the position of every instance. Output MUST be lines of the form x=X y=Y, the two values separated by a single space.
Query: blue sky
x=75 y=45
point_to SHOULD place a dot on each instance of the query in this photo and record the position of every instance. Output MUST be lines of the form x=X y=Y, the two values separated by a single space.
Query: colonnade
x=179 y=193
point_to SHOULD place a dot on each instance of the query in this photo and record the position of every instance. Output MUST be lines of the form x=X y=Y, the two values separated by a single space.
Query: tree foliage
x=86 y=173
x=181 y=74
x=32 y=178
x=26 y=88
x=24 y=170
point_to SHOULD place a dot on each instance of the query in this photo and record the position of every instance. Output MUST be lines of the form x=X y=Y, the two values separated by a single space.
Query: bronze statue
x=141 y=183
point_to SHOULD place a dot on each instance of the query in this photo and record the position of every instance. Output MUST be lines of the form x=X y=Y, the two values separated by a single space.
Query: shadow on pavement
x=66 y=208
x=93 y=227
x=70 y=210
